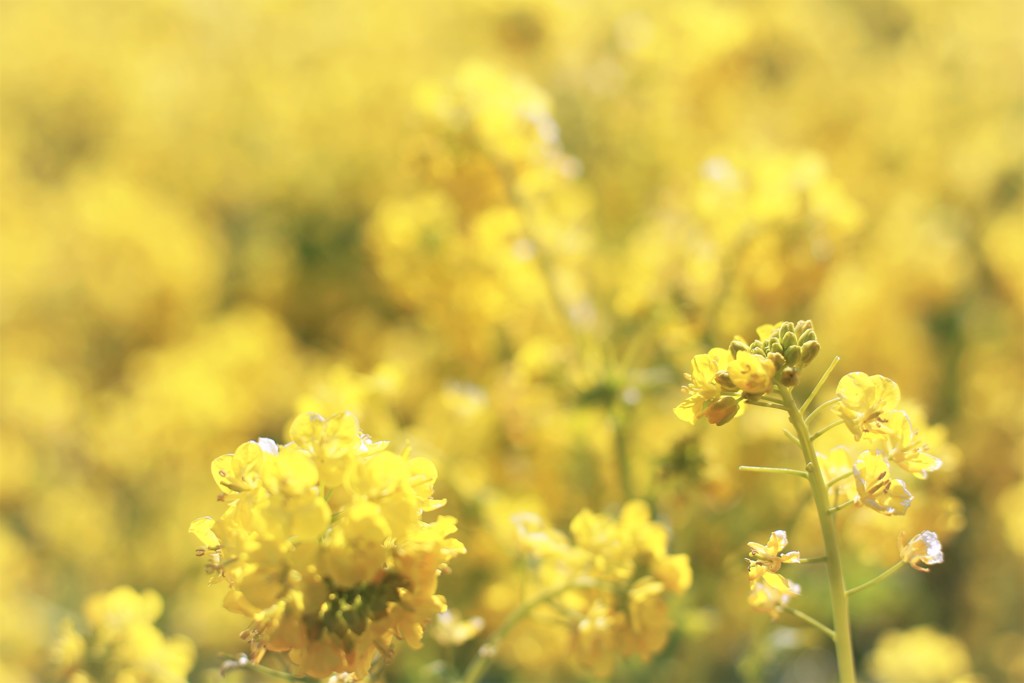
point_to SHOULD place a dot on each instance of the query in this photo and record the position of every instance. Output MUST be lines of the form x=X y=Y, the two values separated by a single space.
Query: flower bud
x=722 y=377
x=809 y=351
x=722 y=410
x=788 y=377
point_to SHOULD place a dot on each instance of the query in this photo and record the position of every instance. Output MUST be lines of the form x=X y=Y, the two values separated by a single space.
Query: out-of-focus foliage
x=499 y=231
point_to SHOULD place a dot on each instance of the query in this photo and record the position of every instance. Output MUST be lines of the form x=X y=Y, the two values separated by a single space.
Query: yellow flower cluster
x=324 y=547
x=770 y=591
x=611 y=583
x=721 y=381
x=869 y=406
x=121 y=643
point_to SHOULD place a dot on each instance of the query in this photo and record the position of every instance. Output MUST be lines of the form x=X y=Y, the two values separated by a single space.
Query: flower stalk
x=837 y=587
x=878 y=579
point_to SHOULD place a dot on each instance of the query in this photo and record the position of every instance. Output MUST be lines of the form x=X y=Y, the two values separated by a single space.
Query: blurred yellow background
x=498 y=232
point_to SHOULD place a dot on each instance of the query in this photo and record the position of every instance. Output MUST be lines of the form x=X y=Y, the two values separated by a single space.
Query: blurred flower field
x=497 y=234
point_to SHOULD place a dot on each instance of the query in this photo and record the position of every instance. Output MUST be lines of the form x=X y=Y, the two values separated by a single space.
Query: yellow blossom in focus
x=769 y=556
x=702 y=395
x=865 y=401
x=922 y=549
x=751 y=373
x=770 y=592
x=904 y=445
x=876 y=488
x=323 y=547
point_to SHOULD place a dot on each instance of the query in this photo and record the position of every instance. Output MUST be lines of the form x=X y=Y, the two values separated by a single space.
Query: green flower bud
x=722 y=410
x=808 y=351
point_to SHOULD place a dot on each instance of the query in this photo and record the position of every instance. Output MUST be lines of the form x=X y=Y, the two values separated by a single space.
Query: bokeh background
x=498 y=232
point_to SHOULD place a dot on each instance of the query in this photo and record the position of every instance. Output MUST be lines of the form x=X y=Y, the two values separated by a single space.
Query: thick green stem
x=837 y=587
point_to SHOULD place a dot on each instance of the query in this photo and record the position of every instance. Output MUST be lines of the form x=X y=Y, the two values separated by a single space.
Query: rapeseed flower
x=923 y=549
x=121 y=642
x=866 y=402
x=704 y=394
x=876 y=487
x=770 y=591
x=323 y=545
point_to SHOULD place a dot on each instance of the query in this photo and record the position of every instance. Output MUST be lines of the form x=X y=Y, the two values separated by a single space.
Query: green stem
x=826 y=404
x=812 y=560
x=839 y=479
x=774 y=470
x=762 y=404
x=837 y=588
x=812 y=621
x=485 y=655
x=881 y=577
x=817 y=387
x=621 y=451
x=836 y=508
x=816 y=435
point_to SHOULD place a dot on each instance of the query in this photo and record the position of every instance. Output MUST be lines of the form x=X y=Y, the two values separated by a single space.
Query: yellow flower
x=770 y=592
x=751 y=373
x=768 y=555
x=122 y=640
x=876 y=487
x=626 y=577
x=922 y=549
x=865 y=402
x=905 y=446
x=703 y=390
x=323 y=545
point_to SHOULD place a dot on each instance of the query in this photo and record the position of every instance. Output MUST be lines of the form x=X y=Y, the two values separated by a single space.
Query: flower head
x=769 y=556
x=751 y=372
x=922 y=549
x=323 y=546
x=625 y=576
x=876 y=488
x=905 y=446
x=865 y=402
x=703 y=393
x=771 y=592
x=121 y=638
